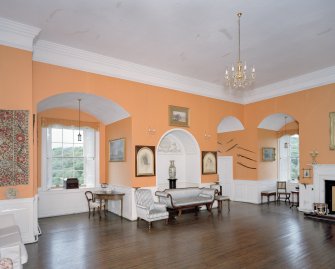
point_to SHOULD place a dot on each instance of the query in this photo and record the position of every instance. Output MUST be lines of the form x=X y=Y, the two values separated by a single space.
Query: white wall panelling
x=24 y=211
x=61 y=202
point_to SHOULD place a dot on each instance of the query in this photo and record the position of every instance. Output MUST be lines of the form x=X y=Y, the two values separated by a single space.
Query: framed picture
x=332 y=130
x=145 y=161
x=117 y=150
x=209 y=163
x=179 y=116
x=269 y=154
x=306 y=173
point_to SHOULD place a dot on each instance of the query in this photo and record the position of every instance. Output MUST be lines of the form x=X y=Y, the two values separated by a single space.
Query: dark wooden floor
x=250 y=236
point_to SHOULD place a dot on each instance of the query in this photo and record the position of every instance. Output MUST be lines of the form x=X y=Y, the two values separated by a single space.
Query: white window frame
x=44 y=161
x=285 y=176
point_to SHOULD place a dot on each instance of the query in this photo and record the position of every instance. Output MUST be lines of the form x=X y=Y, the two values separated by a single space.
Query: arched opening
x=62 y=155
x=102 y=108
x=181 y=146
x=281 y=132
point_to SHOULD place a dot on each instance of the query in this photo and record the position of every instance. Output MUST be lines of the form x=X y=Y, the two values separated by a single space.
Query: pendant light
x=79 y=135
x=239 y=76
x=286 y=143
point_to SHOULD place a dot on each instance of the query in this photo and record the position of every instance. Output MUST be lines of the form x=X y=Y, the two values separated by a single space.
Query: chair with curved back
x=93 y=204
x=147 y=209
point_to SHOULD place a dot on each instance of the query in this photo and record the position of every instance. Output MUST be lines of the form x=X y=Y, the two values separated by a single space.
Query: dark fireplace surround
x=329 y=185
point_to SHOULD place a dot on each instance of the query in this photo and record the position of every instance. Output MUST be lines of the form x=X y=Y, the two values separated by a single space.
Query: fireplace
x=324 y=185
x=330 y=195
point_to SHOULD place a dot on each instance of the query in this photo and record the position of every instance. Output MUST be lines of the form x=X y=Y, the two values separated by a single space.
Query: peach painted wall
x=16 y=94
x=25 y=83
x=147 y=105
x=70 y=114
x=241 y=138
x=120 y=173
x=311 y=109
x=267 y=170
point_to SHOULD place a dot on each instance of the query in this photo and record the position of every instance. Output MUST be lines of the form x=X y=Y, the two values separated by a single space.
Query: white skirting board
x=25 y=214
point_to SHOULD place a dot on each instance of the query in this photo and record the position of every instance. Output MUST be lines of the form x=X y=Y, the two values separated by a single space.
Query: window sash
x=88 y=156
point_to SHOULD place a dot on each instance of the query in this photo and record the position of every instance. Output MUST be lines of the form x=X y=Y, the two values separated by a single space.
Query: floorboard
x=249 y=236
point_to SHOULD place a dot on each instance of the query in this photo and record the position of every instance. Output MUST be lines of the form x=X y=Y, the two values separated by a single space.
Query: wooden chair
x=93 y=204
x=282 y=192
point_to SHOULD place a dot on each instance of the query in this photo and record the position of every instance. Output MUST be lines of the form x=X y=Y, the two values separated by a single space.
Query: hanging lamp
x=239 y=76
x=79 y=135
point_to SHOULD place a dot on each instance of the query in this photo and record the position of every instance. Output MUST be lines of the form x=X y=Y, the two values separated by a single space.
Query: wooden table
x=108 y=195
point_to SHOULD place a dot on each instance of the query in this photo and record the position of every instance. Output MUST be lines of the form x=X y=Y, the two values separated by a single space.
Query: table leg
x=121 y=206
x=100 y=209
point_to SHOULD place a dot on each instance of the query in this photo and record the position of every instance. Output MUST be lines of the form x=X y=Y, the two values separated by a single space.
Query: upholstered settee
x=11 y=245
x=185 y=198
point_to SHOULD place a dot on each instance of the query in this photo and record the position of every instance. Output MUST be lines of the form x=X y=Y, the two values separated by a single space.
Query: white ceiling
x=192 y=38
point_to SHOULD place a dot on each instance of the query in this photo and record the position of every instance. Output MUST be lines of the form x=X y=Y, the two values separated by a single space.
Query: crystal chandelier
x=239 y=76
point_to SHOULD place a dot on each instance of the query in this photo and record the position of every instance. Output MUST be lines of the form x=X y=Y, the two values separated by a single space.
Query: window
x=294 y=157
x=67 y=157
x=289 y=157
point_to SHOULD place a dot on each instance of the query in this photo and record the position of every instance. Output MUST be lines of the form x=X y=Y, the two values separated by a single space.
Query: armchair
x=147 y=209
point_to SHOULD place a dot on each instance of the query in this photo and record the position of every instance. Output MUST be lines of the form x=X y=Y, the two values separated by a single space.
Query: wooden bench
x=268 y=194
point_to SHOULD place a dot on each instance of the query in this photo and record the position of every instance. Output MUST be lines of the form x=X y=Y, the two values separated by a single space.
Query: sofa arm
x=165 y=198
x=207 y=192
x=13 y=252
x=7 y=220
x=161 y=194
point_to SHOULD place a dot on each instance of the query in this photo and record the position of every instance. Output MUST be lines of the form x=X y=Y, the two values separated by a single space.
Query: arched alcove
x=281 y=132
x=181 y=146
x=102 y=108
x=276 y=121
x=229 y=124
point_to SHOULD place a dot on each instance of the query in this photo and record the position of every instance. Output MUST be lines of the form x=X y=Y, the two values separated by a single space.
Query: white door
x=225 y=172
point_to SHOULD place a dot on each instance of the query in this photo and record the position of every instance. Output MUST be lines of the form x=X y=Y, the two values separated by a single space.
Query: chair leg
x=89 y=213
x=138 y=221
x=105 y=211
x=228 y=205
x=150 y=225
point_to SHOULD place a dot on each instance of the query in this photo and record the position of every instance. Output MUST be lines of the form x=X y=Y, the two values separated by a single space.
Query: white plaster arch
x=100 y=107
x=275 y=122
x=229 y=124
x=182 y=147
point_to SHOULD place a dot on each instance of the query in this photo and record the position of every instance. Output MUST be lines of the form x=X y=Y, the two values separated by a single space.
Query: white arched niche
x=229 y=124
x=181 y=146
x=275 y=122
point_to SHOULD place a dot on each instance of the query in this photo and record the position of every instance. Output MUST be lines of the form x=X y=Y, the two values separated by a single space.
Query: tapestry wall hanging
x=14 y=152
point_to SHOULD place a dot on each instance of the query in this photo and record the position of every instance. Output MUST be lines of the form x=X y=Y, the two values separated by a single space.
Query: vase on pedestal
x=172 y=170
